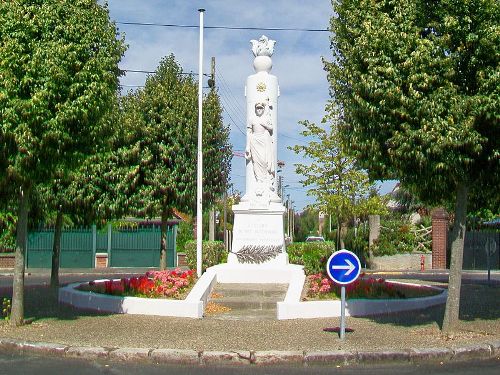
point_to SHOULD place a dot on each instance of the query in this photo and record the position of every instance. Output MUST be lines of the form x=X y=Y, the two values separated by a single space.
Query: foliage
x=8 y=231
x=306 y=223
x=184 y=235
x=159 y=150
x=400 y=236
x=356 y=240
x=6 y=307
x=416 y=90
x=59 y=73
x=319 y=286
x=339 y=185
x=154 y=284
x=213 y=253
x=312 y=255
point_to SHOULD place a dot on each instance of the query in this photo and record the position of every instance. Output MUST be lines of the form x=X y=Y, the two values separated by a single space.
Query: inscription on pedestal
x=258 y=236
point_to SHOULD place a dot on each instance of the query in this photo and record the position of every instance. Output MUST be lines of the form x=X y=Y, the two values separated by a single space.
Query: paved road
x=14 y=364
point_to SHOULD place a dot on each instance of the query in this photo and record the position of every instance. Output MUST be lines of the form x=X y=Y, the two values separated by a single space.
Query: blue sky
x=296 y=61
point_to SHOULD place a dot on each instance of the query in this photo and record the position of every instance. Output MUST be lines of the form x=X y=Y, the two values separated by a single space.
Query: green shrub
x=6 y=308
x=184 y=235
x=312 y=255
x=357 y=242
x=7 y=231
x=213 y=253
x=399 y=236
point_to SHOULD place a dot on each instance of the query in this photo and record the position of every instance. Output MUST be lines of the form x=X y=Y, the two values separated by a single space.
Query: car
x=315 y=239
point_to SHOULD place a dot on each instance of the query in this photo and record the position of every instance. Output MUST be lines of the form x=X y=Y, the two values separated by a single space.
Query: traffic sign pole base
x=337 y=329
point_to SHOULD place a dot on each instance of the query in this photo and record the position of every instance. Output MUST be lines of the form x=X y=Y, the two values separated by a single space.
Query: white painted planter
x=191 y=307
x=291 y=308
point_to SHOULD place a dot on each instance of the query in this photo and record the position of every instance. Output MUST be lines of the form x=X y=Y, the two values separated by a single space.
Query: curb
x=259 y=358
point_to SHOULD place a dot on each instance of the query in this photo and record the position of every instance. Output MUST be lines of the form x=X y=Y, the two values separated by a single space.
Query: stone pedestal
x=258 y=236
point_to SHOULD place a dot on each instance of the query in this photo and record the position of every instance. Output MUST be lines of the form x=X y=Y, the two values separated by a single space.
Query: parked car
x=315 y=239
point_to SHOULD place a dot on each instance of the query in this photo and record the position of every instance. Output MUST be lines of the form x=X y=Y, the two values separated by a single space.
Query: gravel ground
x=480 y=322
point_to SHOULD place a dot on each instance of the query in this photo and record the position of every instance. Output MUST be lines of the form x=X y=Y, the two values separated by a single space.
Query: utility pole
x=211 y=213
x=226 y=247
x=211 y=80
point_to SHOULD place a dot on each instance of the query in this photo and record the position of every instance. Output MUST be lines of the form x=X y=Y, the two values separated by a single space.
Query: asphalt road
x=15 y=364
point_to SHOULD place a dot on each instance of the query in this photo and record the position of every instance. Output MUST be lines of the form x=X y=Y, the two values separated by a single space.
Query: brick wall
x=7 y=261
x=439 y=238
x=181 y=260
x=101 y=260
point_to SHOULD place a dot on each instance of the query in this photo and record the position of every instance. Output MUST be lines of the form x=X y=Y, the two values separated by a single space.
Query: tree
x=59 y=73
x=77 y=193
x=161 y=124
x=339 y=185
x=416 y=86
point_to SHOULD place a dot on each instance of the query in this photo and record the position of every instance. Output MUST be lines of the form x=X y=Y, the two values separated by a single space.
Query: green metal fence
x=76 y=249
x=137 y=247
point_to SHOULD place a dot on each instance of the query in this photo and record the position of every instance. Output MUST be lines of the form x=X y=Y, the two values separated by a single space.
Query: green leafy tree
x=306 y=224
x=340 y=187
x=58 y=75
x=416 y=87
x=161 y=157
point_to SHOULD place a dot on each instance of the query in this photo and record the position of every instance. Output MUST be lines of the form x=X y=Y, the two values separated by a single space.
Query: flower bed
x=320 y=287
x=154 y=284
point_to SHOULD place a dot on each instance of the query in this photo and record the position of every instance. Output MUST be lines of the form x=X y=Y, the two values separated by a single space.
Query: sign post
x=490 y=247
x=343 y=267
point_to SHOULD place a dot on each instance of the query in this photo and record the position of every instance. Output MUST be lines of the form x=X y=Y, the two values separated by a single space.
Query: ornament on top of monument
x=263 y=50
x=263 y=47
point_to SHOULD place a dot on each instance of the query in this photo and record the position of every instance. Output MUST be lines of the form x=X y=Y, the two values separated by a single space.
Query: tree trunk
x=17 y=312
x=163 y=243
x=374 y=234
x=452 y=309
x=56 y=251
x=343 y=234
x=211 y=225
x=338 y=247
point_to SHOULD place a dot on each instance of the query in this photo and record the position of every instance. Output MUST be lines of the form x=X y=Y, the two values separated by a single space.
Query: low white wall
x=289 y=309
x=129 y=305
x=401 y=262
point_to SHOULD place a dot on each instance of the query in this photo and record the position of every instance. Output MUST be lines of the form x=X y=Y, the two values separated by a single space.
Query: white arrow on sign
x=350 y=267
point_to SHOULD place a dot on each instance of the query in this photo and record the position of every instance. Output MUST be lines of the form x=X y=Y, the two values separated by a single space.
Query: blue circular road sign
x=343 y=267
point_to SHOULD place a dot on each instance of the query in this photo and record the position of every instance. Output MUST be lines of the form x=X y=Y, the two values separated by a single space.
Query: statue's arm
x=248 y=152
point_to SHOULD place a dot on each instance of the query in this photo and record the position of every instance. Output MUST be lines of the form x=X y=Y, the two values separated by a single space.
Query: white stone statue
x=260 y=149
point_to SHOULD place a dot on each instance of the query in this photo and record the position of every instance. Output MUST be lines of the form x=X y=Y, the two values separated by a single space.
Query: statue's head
x=259 y=108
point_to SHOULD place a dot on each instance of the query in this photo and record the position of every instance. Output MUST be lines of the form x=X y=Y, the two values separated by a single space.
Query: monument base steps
x=246 y=301
x=250 y=291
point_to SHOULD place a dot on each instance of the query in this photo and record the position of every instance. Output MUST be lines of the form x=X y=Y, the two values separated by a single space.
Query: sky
x=297 y=62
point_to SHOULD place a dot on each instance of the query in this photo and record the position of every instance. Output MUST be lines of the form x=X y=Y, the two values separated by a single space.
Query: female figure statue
x=259 y=148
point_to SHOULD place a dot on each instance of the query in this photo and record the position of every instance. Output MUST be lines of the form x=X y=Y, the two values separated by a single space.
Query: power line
x=220 y=27
x=236 y=104
x=154 y=72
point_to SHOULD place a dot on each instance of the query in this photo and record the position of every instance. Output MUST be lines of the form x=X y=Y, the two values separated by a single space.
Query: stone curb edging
x=245 y=357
